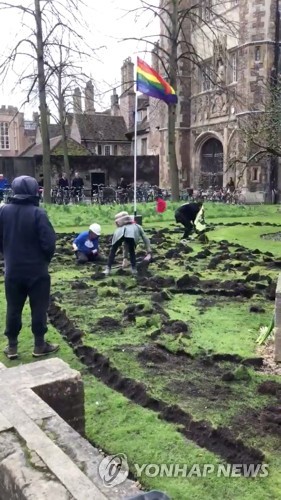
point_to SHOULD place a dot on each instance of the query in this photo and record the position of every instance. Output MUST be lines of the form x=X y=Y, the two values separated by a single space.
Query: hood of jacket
x=25 y=188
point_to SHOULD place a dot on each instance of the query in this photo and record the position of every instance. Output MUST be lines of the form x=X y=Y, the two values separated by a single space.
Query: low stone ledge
x=42 y=456
x=278 y=321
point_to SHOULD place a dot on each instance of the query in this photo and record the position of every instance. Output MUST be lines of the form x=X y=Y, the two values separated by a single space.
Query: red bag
x=161 y=206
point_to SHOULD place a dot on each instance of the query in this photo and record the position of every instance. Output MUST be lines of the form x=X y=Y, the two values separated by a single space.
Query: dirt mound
x=161 y=296
x=270 y=387
x=270 y=419
x=98 y=275
x=203 y=254
x=256 y=309
x=187 y=281
x=271 y=291
x=258 y=277
x=79 y=285
x=142 y=268
x=214 y=262
x=152 y=354
x=108 y=323
x=134 y=310
x=158 y=282
x=175 y=327
x=173 y=253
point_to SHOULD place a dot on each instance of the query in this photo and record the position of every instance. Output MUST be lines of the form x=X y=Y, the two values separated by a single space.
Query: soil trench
x=217 y=440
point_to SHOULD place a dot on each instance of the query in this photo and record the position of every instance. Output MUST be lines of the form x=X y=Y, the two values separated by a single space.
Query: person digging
x=128 y=234
x=191 y=216
x=86 y=245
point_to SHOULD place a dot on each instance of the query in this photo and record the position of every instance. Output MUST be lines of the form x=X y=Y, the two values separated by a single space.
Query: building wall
x=214 y=113
x=14 y=121
x=116 y=149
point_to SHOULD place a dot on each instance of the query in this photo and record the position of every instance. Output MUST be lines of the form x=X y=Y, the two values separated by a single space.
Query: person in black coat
x=63 y=182
x=77 y=182
x=27 y=242
x=186 y=215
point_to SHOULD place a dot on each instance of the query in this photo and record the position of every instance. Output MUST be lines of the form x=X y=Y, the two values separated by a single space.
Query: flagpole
x=135 y=153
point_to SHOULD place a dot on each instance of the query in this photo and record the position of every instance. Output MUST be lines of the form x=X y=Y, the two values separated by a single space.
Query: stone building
x=227 y=83
x=103 y=133
x=16 y=134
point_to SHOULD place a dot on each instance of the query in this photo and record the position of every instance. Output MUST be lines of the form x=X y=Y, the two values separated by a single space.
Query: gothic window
x=4 y=135
x=206 y=77
x=257 y=54
x=107 y=150
x=255 y=174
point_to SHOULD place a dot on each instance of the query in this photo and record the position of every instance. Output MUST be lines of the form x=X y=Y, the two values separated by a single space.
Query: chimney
x=115 y=110
x=127 y=77
x=35 y=117
x=77 y=101
x=89 y=98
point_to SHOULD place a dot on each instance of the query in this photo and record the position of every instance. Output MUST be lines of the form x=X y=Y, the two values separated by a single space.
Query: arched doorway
x=211 y=164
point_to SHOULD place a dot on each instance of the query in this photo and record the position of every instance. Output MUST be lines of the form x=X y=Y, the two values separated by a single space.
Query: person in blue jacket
x=86 y=245
x=3 y=185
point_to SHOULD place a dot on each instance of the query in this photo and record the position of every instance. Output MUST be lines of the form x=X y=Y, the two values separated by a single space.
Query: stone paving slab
x=41 y=455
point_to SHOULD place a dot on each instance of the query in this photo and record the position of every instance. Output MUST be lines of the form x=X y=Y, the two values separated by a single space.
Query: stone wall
x=114 y=167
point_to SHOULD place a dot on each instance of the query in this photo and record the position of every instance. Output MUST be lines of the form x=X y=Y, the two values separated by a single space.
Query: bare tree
x=177 y=49
x=43 y=24
x=65 y=76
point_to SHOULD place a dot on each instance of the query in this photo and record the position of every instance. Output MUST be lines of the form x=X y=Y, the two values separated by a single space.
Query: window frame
x=105 y=149
x=4 y=136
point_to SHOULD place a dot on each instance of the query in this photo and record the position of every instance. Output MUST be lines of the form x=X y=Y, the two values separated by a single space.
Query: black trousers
x=187 y=223
x=82 y=258
x=131 y=245
x=38 y=292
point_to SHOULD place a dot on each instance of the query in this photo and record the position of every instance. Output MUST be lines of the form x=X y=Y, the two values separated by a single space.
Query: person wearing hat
x=27 y=242
x=86 y=245
x=129 y=234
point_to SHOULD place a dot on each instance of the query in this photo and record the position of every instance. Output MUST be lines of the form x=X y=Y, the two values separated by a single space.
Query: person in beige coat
x=129 y=234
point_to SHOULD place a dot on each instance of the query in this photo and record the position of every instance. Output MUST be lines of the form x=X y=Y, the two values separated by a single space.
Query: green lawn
x=223 y=326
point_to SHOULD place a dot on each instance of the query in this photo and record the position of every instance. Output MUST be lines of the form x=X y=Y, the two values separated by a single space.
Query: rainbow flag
x=151 y=83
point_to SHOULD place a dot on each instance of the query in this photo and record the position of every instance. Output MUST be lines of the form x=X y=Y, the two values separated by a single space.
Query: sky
x=109 y=22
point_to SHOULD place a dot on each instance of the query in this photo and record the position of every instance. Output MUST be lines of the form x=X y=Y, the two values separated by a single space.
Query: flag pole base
x=138 y=219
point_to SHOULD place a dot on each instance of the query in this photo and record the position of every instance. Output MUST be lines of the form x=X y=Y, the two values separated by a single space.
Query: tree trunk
x=43 y=104
x=63 y=130
x=172 y=109
x=173 y=165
